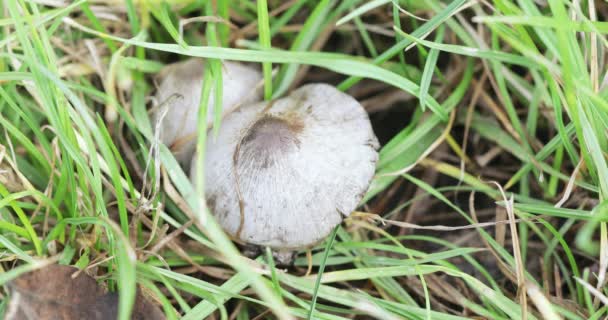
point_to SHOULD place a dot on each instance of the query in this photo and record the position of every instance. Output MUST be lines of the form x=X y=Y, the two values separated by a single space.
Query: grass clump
x=490 y=197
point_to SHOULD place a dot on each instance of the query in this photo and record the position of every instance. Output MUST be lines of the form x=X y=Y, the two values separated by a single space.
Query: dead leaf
x=9 y=178
x=145 y=309
x=60 y=292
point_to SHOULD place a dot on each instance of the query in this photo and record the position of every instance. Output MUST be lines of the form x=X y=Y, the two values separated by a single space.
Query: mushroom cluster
x=284 y=173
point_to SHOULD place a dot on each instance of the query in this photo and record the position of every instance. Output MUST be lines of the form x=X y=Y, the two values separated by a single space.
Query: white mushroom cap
x=302 y=164
x=180 y=92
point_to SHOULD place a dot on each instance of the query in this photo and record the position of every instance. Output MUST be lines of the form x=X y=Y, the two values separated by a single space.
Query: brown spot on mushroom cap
x=268 y=138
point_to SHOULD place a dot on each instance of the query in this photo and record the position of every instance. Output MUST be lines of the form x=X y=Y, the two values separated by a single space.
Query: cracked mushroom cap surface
x=284 y=173
x=179 y=94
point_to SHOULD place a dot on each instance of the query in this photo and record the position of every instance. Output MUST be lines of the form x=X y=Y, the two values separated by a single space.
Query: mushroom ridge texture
x=179 y=93
x=284 y=173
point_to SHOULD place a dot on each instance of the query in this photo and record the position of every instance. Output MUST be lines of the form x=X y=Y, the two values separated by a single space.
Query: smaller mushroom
x=179 y=94
x=284 y=173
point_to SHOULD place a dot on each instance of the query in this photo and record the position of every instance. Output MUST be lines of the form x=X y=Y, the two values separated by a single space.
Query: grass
x=491 y=95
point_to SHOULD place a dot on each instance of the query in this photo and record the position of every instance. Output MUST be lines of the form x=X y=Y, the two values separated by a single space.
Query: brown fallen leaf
x=144 y=309
x=58 y=292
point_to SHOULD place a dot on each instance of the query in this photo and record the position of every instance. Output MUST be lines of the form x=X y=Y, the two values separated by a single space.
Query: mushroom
x=179 y=94
x=283 y=174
